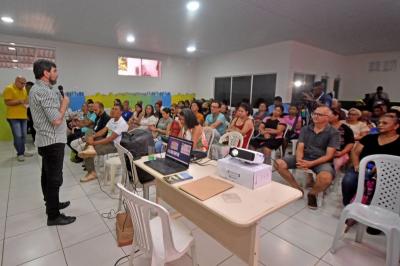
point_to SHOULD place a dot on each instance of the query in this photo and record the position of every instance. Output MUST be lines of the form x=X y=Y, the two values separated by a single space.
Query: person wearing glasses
x=316 y=149
x=16 y=100
x=215 y=119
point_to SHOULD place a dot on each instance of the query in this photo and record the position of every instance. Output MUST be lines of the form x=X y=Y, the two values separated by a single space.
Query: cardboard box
x=248 y=175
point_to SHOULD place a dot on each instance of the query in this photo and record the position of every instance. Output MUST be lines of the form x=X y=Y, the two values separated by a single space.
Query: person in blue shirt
x=278 y=101
x=127 y=112
x=215 y=119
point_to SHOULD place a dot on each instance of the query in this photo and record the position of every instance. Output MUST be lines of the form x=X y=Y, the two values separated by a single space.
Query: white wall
x=93 y=69
x=261 y=60
x=311 y=60
x=361 y=81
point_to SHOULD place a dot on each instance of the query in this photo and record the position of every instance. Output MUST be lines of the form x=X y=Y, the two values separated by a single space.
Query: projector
x=247 y=156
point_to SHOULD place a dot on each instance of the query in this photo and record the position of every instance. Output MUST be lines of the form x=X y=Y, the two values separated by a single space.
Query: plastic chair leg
x=146 y=192
x=392 y=248
x=360 y=232
x=339 y=231
x=194 y=254
x=112 y=177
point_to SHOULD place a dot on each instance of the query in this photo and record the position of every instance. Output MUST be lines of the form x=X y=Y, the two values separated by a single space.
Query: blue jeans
x=18 y=128
x=158 y=146
x=349 y=185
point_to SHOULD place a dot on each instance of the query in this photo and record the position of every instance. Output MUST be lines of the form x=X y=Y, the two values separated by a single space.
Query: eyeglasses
x=318 y=114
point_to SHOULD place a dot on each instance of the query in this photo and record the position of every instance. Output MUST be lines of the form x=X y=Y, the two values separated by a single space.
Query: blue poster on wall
x=76 y=100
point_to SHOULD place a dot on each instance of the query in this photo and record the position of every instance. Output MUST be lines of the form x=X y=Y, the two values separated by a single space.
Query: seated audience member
x=346 y=140
x=172 y=109
x=386 y=142
x=242 y=123
x=101 y=121
x=196 y=107
x=360 y=129
x=134 y=122
x=187 y=103
x=294 y=121
x=205 y=108
x=270 y=133
x=366 y=118
x=377 y=112
x=278 y=101
x=192 y=130
x=160 y=130
x=260 y=115
x=82 y=125
x=336 y=105
x=174 y=128
x=318 y=97
x=226 y=112
x=216 y=120
x=117 y=102
x=157 y=109
x=126 y=112
x=148 y=118
x=114 y=128
x=316 y=148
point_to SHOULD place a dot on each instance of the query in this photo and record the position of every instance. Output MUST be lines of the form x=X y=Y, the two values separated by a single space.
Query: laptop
x=177 y=157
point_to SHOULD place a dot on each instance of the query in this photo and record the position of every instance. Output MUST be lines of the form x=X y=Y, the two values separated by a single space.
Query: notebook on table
x=177 y=157
x=206 y=187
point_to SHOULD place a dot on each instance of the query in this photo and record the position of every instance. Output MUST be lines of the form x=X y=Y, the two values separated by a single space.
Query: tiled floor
x=293 y=235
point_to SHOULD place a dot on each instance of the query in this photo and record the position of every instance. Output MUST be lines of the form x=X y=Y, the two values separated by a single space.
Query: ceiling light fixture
x=15 y=61
x=7 y=19
x=192 y=6
x=11 y=48
x=191 y=49
x=130 y=38
x=298 y=83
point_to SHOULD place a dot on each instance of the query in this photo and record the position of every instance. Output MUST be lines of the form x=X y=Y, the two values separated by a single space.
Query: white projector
x=247 y=156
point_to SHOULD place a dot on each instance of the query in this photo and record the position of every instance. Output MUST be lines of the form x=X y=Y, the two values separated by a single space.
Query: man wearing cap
x=16 y=100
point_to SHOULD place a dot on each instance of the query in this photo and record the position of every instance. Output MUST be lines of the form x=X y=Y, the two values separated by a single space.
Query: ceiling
x=164 y=26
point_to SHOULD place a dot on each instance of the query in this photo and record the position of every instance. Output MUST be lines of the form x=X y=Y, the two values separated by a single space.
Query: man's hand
x=338 y=154
x=65 y=100
x=304 y=164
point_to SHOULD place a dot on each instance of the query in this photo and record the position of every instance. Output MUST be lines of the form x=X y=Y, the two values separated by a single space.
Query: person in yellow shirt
x=16 y=100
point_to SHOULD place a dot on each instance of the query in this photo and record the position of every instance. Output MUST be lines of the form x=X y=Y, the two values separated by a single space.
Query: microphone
x=61 y=89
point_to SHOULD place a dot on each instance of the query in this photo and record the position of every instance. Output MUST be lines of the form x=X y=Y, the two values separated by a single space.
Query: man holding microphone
x=48 y=107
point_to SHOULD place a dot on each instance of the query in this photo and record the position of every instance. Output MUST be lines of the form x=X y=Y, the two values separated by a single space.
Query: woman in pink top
x=291 y=118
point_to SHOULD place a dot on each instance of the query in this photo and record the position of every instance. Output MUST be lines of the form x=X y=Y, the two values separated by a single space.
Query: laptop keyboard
x=166 y=166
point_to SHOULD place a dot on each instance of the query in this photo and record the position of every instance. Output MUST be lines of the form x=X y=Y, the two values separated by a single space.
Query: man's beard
x=52 y=81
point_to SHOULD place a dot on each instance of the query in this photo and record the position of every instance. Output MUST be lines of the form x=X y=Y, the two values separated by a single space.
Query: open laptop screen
x=179 y=150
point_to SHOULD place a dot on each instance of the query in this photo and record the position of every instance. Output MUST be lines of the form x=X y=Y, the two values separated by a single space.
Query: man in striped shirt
x=48 y=108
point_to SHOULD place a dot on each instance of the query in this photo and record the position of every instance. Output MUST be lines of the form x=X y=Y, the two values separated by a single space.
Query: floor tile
x=26 y=222
x=79 y=207
x=70 y=193
x=209 y=251
x=53 y=259
x=85 y=227
x=304 y=236
x=99 y=251
x=20 y=205
x=1 y=250
x=272 y=220
x=26 y=192
x=30 y=246
x=274 y=251
x=318 y=219
x=90 y=187
x=293 y=208
x=69 y=181
x=3 y=209
x=235 y=261
x=2 y=224
x=102 y=201
x=322 y=263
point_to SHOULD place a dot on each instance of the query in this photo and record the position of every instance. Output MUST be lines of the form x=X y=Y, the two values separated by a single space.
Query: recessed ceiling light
x=7 y=19
x=11 y=48
x=192 y=5
x=130 y=38
x=12 y=43
x=15 y=61
x=191 y=49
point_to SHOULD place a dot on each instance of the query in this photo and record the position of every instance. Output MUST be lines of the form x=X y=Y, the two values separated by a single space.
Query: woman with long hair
x=242 y=123
x=192 y=130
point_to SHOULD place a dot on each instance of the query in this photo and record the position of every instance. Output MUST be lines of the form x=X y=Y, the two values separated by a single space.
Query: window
x=23 y=56
x=129 y=66
x=305 y=84
x=251 y=88
x=222 y=89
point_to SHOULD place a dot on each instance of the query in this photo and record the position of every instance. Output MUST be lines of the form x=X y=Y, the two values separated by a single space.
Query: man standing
x=48 y=109
x=316 y=148
x=16 y=100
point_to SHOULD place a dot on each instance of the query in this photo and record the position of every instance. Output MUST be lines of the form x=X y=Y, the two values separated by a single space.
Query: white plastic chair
x=209 y=133
x=121 y=153
x=234 y=139
x=384 y=210
x=161 y=238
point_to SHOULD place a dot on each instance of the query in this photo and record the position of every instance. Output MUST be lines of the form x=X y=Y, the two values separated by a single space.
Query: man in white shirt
x=114 y=128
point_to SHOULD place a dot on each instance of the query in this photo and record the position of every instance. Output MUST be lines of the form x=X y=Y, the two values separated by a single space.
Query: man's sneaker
x=312 y=201
x=61 y=220
x=89 y=152
x=21 y=158
x=89 y=177
x=28 y=154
